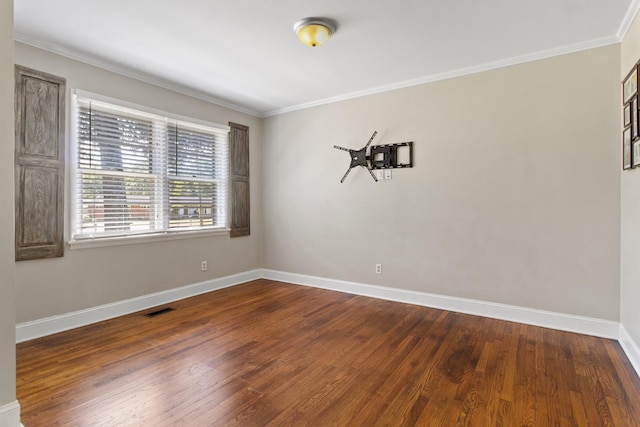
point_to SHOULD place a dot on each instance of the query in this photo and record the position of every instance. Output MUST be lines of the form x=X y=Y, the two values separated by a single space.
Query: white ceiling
x=244 y=53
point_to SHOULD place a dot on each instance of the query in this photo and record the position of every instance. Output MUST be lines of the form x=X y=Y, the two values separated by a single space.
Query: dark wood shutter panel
x=239 y=177
x=39 y=164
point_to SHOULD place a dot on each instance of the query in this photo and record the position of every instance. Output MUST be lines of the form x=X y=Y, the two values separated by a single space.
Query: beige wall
x=630 y=236
x=86 y=278
x=514 y=197
x=7 y=307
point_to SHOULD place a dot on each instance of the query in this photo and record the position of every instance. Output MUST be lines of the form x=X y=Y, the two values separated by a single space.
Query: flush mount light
x=314 y=31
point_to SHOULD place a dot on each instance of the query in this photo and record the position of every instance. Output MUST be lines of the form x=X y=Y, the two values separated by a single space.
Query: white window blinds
x=141 y=173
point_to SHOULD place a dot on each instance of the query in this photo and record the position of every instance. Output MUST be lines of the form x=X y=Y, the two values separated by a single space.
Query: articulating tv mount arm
x=359 y=158
x=380 y=157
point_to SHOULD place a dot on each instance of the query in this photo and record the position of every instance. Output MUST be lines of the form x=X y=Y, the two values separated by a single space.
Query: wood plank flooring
x=267 y=353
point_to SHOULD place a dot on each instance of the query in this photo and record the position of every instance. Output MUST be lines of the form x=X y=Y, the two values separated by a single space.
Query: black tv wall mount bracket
x=379 y=157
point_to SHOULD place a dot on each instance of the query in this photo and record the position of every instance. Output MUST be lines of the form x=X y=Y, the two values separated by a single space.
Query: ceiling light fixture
x=314 y=31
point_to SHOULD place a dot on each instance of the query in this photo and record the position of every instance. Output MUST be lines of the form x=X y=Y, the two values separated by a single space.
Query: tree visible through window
x=140 y=173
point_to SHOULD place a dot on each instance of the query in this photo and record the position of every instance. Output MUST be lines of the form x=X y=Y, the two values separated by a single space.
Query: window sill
x=142 y=239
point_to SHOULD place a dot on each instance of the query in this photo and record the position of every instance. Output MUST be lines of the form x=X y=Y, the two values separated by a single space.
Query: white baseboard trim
x=630 y=348
x=10 y=415
x=42 y=327
x=560 y=321
x=529 y=316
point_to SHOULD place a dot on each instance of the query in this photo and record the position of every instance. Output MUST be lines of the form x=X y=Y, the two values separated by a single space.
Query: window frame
x=148 y=113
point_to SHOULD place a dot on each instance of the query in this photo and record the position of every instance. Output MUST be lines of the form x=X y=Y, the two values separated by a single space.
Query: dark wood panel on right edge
x=239 y=176
x=631 y=114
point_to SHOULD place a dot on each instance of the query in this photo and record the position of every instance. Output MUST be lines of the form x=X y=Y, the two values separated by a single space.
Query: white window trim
x=88 y=243
x=144 y=238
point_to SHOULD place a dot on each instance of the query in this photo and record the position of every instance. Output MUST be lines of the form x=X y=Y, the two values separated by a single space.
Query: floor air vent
x=159 y=312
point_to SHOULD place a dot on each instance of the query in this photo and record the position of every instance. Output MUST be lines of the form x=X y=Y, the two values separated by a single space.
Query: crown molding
x=631 y=14
x=516 y=60
x=130 y=72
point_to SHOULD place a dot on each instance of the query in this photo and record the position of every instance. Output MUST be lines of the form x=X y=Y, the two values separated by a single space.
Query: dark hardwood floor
x=268 y=353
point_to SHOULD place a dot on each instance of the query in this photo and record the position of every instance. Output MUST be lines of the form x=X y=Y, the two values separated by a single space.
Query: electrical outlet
x=378 y=268
x=204 y=265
